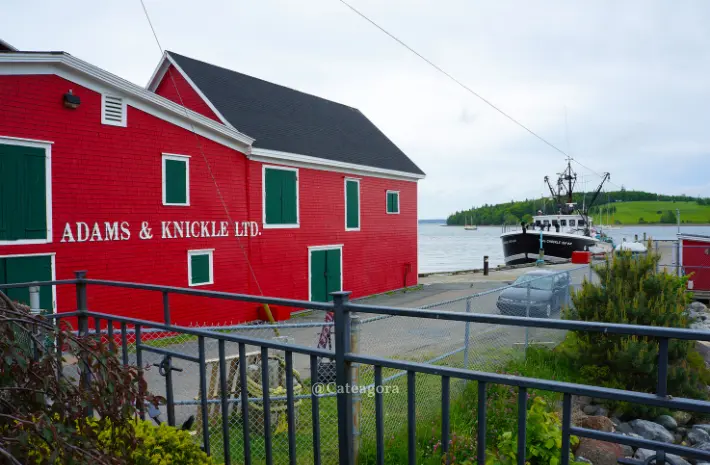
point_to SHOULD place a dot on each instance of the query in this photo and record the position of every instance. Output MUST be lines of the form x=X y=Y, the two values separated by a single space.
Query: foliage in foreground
x=630 y=291
x=43 y=415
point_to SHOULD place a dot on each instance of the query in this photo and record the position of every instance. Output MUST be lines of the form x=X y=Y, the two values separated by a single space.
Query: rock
x=678 y=438
x=628 y=451
x=698 y=436
x=681 y=430
x=583 y=460
x=703 y=446
x=599 y=452
x=590 y=409
x=583 y=400
x=616 y=420
x=603 y=411
x=705 y=428
x=698 y=307
x=667 y=421
x=624 y=428
x=598 y=423
x=643 y=454
x=653 y=431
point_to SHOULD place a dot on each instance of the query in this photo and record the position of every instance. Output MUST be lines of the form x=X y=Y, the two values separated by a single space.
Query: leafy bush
x=631 y=292
x=543 y=439
x=165 y=444
x=668 y=217
x=43 y=415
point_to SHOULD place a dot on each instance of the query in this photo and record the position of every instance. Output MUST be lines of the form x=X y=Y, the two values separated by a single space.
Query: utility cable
x=202 y=152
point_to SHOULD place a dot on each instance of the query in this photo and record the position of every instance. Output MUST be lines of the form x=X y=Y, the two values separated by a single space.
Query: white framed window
x=393 y=202
x=176 y=180
x=200 y=267
x=280 y=199
x=25 y=191
x=352 y=204
x=113 y=110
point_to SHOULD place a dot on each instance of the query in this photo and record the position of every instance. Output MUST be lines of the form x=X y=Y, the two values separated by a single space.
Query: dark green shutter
x=36 y=195
x=288 y=198
x=24 y=270
x=352 y=204
x=392 y=202
x=200 y=268
x=273 y=188
x=281 y=196
x=175 y=181
x=332 y=267
x=318 y=276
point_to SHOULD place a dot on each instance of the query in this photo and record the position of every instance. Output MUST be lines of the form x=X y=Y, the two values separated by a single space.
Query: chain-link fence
x=478 y=346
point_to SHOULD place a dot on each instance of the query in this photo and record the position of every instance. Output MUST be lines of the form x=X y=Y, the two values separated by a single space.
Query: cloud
x=630 y=76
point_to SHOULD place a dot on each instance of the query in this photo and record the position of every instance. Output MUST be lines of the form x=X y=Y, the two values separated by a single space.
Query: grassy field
x=632 y=212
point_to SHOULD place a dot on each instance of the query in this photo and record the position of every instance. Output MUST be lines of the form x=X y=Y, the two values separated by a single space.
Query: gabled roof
x=288 y=121
x=694 y=237
x=5 y=47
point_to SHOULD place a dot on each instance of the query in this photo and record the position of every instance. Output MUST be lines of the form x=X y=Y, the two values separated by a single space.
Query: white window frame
x=183 y=158
x=359 y=205
x=264 y=224
x=53 y=256
x=47 y=146
x=190 y=254
x=398 y=203
x=314 y=248
x=124 y=113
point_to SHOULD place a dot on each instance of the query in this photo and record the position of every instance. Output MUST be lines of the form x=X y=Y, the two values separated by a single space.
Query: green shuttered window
x=23 y=269
x=280 y=197
x=392 y=202
x=176 y=180
x=200 y=267
x=23 y=193
x=352 y=204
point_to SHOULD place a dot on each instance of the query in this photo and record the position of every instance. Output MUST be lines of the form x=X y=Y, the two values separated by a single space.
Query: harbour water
x=452 y=248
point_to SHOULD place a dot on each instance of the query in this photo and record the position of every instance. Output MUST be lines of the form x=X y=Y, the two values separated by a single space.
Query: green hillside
x=626 y=207
x=651 y=212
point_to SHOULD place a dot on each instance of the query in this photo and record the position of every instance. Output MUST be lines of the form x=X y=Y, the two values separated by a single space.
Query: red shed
x=207 y=178
x=695 y=260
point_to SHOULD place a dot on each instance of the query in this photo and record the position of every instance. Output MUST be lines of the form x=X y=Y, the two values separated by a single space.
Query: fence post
x=467 y=334
x=568 y=291
x=677 y=257
x=34 y=300
x=343 y=378
x=527 y=315
x=590 y=270
x=83 y=323
x=357 y=395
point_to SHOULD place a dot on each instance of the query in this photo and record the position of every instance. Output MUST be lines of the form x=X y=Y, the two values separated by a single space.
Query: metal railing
x=347 y=365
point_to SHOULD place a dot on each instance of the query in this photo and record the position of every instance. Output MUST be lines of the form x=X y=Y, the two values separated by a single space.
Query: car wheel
x=548 y=310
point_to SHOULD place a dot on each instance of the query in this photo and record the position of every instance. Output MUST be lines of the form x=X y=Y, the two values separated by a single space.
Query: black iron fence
x=117 y=328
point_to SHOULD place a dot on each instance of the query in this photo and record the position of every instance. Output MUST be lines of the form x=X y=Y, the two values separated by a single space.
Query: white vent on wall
x=113 y=110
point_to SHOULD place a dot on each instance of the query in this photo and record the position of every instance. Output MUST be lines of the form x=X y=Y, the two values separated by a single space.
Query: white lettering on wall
x=121 y=231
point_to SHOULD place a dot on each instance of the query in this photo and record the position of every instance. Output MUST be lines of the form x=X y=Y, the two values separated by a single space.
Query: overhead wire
x=202 y=152
x=465 y=87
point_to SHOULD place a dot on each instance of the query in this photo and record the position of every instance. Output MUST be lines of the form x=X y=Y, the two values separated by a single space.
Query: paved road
x=397 y=337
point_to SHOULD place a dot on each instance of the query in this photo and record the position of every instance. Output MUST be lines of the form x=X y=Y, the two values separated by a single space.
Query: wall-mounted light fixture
x=71 y=100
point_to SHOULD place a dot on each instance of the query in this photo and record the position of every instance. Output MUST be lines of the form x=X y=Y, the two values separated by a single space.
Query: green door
x=27 y=269
x=325 y=274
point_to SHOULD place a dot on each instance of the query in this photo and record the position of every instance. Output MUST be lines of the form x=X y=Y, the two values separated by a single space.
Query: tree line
x=514 y=212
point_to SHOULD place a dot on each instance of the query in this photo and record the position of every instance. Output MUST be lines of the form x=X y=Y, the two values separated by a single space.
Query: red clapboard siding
x=104 y=173
x=697 y=261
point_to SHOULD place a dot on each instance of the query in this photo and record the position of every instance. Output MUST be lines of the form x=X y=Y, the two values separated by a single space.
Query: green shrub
x=543 y=439
x=631 y=292
x=158 y=445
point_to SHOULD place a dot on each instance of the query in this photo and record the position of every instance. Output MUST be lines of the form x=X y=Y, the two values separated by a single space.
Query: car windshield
x=536 y=282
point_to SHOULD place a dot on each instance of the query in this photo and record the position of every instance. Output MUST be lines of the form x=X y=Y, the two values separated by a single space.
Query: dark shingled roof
x=287 y=120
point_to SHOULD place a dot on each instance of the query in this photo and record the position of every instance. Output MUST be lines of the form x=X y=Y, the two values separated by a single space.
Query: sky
x=620 y=86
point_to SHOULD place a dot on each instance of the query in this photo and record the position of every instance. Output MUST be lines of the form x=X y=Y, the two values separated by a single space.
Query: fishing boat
x=553 y=237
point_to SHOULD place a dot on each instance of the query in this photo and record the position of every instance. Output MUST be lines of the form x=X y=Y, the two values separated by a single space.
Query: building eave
x=72 y=68
x=305 y=161
x=693 y=237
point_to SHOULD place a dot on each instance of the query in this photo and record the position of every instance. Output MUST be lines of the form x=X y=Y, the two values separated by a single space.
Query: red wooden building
x=695 y=261
x=207 y=178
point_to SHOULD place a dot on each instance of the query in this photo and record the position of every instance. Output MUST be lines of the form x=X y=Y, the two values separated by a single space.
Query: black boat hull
x=519 y=247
